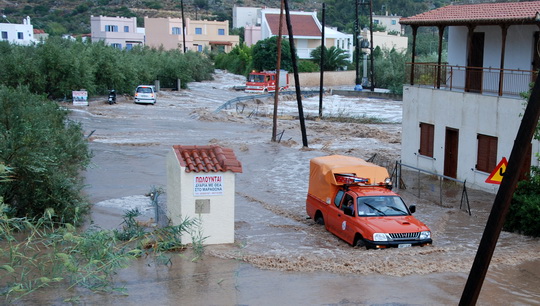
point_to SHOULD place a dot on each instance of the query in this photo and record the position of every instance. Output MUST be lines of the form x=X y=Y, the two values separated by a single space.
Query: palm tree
x=334 y=58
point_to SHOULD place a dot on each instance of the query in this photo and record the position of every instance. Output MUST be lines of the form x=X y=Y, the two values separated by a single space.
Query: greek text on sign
x=208 y=185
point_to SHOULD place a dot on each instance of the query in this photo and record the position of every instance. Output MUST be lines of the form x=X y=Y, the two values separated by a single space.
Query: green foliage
x=46 y=152
x=59 y=66
x=307 y=66
x=265 y=54
x=238 y=61
x=389 y=69
x=524 y=212
x=42 y=253
x=334 y=58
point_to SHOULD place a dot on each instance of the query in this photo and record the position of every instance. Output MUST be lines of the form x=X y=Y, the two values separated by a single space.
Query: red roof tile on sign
x=302 y=25
x=484 y=13
x=207 y=159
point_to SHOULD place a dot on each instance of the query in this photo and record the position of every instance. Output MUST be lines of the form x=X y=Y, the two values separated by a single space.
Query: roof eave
x=466 y=22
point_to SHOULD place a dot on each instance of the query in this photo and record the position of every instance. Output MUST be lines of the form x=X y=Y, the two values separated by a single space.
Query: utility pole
x=502 y=200
x=278 y=73
x=183 y=27
x=296 y=78
x=356 y=45
x=322 y=61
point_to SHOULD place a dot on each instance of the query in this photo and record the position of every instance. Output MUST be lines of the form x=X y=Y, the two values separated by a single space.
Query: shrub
x=46 y=153
x=524 y=212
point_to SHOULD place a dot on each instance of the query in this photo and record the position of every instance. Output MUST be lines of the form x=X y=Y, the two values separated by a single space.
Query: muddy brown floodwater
x=279 y=257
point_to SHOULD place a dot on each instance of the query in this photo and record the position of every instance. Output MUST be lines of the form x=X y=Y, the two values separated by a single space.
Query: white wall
x=218 y=224
x=471 y=114
x=12 y=31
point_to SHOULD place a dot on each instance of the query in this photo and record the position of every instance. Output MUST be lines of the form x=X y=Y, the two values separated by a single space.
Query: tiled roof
x=479 y=14
x=302 y=25
x=207 y=159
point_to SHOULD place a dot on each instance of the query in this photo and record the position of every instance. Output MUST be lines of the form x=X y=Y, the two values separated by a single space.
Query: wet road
x=278 y=256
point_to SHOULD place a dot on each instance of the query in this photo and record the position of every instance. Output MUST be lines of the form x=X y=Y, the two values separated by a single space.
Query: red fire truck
x=265 y=81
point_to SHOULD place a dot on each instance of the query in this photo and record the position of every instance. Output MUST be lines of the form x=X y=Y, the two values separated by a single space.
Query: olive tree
x=46 y=153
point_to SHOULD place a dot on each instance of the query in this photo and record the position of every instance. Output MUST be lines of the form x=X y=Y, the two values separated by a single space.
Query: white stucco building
x=22 y=34
x=460 y=119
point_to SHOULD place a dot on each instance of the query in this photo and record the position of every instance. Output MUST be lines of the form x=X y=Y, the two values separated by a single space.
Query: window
x=339 y=196
x=176 y=31
x=4 y=35
x=200 y=48
x=111 y=28
x=20 y=35
x=129 y=46
x=198 y=31
x=394 y=22
x=117 y=46
x=221 y=31
x=375 y=21
x=126 y=29
x=427 y=132
x=486 y=159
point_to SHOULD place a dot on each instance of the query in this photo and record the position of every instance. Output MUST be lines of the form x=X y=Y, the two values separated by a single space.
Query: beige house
x=119 y=32
x=200 y=34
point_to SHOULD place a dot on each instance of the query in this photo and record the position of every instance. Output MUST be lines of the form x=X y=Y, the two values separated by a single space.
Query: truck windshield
x=381 y=206
x=257 y=78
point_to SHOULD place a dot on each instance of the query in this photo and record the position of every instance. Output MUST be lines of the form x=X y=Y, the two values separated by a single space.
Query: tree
x=46 y=152
x=265 y=54
x=334 y=58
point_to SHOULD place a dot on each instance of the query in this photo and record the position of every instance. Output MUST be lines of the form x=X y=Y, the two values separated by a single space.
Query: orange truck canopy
x=322 y=171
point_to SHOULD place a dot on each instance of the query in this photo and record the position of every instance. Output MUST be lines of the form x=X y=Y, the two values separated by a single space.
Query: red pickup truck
x=354 y=200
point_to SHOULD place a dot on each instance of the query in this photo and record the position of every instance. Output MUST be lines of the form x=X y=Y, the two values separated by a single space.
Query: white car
x=145 y=94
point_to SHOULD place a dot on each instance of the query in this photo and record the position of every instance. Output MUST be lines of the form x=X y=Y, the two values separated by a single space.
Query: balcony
x=487 y=81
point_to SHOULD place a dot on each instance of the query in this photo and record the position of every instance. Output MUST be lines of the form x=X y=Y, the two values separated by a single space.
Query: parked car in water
x=145 y=94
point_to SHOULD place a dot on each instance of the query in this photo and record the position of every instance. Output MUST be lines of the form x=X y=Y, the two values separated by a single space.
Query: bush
x=307 y=66
x=46 y=153
x=524 y=212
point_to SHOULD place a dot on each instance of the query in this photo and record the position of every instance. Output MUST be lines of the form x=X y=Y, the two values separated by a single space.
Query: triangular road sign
x=497 y=175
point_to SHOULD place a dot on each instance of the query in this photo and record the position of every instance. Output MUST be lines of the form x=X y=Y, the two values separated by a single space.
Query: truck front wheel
x=359 y=241
x=319 y=219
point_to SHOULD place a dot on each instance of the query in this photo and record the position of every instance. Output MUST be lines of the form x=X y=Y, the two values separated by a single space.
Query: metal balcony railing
x=489 y=81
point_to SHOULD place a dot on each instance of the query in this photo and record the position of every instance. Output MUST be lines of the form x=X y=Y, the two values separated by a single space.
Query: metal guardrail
x=397 y=181
x=232 y=102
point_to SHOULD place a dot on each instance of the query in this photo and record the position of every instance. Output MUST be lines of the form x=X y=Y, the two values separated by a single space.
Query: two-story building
x=306 y=30
x=22 y=34
x=200 y=34
x=461 y=118
x=119 y=32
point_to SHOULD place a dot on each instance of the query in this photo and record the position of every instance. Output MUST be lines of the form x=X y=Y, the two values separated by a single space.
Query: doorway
x=451 y=144
x=475 y=63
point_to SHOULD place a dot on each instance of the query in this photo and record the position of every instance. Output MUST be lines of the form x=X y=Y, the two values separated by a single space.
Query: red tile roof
x=207 y=159
x=479 y=14
x=302 y=25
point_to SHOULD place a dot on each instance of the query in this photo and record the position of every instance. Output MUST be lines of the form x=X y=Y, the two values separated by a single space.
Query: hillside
x=59 y=17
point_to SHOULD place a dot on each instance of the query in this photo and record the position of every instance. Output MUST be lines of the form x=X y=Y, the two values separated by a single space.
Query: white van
x=145 y=94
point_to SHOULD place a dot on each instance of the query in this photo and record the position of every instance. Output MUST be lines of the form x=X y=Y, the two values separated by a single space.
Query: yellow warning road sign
x=497 y=175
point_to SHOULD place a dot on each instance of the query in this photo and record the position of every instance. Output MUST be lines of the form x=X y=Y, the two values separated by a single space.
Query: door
x=451 y=152
x=475 y=63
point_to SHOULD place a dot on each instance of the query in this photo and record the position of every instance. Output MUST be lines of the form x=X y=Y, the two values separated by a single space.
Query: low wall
x=331 y=78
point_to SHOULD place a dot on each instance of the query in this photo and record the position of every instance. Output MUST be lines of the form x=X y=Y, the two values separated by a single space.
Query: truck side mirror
x=412 y=208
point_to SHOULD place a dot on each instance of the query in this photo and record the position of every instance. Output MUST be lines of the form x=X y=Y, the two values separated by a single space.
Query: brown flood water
x=279 y=257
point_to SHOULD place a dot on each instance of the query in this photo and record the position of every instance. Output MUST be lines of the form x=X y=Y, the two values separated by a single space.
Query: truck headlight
x=425 y=235
x=380 y=237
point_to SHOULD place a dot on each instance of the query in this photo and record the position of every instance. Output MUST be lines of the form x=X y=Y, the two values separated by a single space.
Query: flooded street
x=279 y=256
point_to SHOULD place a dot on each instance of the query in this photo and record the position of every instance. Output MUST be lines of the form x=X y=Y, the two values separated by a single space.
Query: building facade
x=22 y=34
x=460 y=119
x=200 y=34
x=119 y=32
